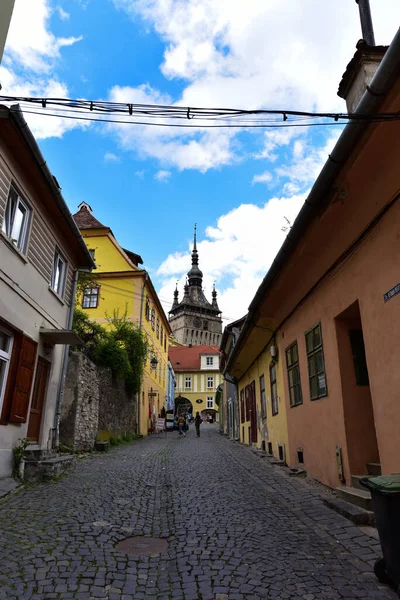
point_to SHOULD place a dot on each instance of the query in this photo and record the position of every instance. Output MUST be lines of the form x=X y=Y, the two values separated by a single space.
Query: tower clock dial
x=197 y=322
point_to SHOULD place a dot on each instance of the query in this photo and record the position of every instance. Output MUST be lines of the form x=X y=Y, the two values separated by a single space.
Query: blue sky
x=150 y=186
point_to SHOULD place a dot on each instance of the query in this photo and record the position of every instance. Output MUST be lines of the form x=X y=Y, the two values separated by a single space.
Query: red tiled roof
x=85 y=220
x=184 y=358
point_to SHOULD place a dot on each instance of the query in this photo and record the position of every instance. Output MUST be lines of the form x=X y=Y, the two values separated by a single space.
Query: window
x=188 y=383
x=153 y=319
x=91 y=297
x=175 y=382
x=16 y=220
x=359 y=358
x=205 y=325
x=148 y=310
x=263 y=398
x=274 y=389
x=209 y=361
x=316 y=363
x=210 y=382
x=292 y=363
x=242 y=417
x=158 y=328
x=6 y=342
x=162 y=336
x=165 y=341
x=210 y=402
x=58 y=275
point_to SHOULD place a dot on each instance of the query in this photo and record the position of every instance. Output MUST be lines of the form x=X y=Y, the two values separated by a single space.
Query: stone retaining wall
x=93 y=402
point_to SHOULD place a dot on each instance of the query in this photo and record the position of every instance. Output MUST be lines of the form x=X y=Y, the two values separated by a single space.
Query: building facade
x=329 y=303
x=41 y=250
x=121 y=286
x=197 y=378
x=194 y=320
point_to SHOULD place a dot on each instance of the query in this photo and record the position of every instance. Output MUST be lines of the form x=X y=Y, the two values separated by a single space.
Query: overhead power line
x=188 y=117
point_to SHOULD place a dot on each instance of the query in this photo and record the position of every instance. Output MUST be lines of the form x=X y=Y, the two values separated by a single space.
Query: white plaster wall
x=6 y=9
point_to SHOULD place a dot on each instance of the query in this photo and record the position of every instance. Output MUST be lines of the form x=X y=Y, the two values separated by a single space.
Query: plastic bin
x=385 y=493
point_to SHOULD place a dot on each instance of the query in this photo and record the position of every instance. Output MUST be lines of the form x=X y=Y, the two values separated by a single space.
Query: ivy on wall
x=122 y=347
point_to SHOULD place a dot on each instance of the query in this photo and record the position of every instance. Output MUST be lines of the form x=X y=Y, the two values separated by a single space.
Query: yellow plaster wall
x=108 y=256
x=193 y=395
x=124 y=293
x=274 y=428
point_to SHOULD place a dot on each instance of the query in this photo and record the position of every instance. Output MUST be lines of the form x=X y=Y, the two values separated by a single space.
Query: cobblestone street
x=237 y=527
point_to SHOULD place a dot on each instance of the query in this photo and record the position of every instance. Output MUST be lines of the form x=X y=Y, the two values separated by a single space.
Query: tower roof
x=84 y=218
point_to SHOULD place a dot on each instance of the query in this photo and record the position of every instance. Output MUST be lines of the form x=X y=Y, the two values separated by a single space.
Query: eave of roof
x=373 y=97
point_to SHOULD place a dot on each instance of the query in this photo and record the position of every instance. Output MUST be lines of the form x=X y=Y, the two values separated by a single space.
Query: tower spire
x=176 y=294
x=195 y=276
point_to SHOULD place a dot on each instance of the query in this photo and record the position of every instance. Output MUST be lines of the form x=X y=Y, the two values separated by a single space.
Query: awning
x=60 y=336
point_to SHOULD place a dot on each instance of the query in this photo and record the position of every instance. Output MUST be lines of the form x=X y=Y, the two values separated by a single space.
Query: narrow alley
x=237 y=528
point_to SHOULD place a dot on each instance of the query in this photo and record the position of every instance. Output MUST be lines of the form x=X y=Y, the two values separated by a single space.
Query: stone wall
x=94 y=404
x=117 y=409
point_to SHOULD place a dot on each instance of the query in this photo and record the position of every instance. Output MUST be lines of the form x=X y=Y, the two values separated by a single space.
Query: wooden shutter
x=23 y=381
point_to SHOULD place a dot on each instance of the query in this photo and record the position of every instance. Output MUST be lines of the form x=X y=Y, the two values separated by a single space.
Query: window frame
x=153 y=319
x=319 y=348
x=291 y=368
x=209 y=361
x=210 y=387
x=9 y=220
x=58 y=256
x=5 y=357
x=188 y=379
x=148 y=309
x=158 y=328
x=211 y=400
x=273 y=382
x=263 y=397
x=91 y=295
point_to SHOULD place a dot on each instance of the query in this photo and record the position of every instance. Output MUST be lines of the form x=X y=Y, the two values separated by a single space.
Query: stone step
x=374 y=469
x=36 y=453
x=355 y=496
x=49 y=467
x=355 y=481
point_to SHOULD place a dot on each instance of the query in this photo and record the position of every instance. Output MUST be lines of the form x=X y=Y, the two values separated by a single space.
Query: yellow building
x=122 y=286
x=256 y=367
x=197 y=378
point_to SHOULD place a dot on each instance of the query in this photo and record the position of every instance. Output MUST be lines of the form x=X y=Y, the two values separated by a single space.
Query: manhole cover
x=142 y=546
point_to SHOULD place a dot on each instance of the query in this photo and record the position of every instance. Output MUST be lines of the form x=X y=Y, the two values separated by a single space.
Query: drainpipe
x=140 y=327
x=65 y=362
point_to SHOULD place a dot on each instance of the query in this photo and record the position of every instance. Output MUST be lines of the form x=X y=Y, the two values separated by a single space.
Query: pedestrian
x=181 y=425
x=197 y=422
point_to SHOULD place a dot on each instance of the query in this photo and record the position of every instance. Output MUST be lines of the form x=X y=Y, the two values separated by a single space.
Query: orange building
x=333 y=293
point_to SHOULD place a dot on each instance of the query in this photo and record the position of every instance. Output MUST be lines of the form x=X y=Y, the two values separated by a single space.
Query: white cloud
x=30 y=60
x=110 y=157
x=265 y=177
x=236 y=252
x=162 y=176
x=263 y=53
x=64 y=15
x=139 y=174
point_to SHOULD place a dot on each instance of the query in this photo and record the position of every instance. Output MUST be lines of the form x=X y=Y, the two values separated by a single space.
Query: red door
x=38 y=397
x=253 y=412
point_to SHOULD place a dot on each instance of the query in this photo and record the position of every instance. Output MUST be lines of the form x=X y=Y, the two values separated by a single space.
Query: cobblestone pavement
x=238 y=528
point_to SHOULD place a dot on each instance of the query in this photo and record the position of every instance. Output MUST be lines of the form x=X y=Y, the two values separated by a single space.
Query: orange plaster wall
x=318 y=426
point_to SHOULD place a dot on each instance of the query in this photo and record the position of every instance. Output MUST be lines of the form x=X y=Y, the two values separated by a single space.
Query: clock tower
x=194 y=320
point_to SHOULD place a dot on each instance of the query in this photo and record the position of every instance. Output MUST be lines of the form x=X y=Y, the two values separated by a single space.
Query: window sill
x=319 y=398
x=296 y=405
x=12 y=247
x=57 y=296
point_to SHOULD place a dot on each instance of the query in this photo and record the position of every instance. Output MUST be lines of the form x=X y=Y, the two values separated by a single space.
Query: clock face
x=197 y=322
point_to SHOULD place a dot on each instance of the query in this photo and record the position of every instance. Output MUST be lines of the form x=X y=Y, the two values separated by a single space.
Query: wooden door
x=253 y=412
x=38 y=398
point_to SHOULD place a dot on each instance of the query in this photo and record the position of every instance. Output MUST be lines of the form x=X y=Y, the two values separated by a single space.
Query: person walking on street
x=197 y=422
x=181 y=425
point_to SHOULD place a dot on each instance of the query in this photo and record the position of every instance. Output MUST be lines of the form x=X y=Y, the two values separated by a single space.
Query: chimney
x=366 y=60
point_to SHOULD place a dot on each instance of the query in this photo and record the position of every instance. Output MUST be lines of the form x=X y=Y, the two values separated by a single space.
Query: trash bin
x=385 y=492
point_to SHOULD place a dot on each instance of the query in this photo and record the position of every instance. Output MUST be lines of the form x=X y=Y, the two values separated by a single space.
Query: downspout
x=65 y=363
x=140 y=327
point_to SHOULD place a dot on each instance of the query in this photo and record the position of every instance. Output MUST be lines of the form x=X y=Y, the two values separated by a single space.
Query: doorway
x=362 y=445
x=38 y=398
x=252 y=411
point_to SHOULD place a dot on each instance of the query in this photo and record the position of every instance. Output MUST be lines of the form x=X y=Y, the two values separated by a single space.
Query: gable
x=108 y=256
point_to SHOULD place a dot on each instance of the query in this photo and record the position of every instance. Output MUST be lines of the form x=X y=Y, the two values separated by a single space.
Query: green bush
x=123 y=347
